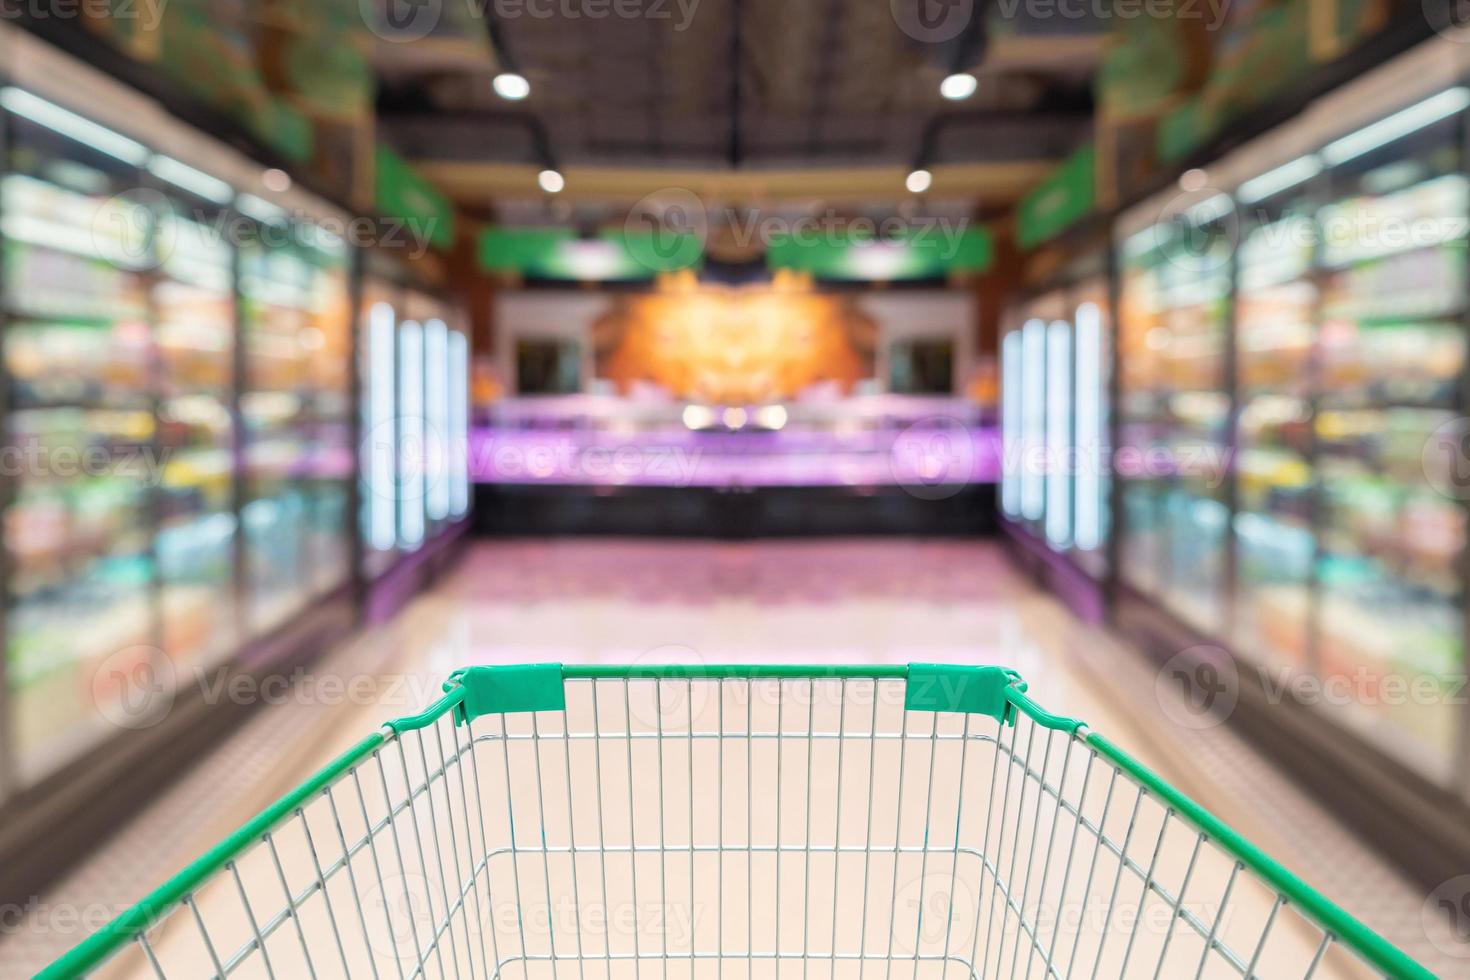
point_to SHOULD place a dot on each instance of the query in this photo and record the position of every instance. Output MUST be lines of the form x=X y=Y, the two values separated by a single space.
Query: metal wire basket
x=916 y=822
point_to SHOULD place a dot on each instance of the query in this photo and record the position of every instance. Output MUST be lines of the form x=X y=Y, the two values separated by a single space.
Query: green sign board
x=559 y=253
x=924 y=251
x=1066 y=196
x=402 y=194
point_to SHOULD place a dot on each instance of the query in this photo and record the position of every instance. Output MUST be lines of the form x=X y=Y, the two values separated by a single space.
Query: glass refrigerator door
x=436 y=422
x=459 y=424
x=278 y=289
x=1092 y=457
x=412 y=429
x=1194 y=409
x=1392 y=351
x=1142 y=479
x=379 y=518
x=1276 y=308
x=1059 y=446
x=330 y=464
x=194 y=303
x=1010 y=424
x=78 y=349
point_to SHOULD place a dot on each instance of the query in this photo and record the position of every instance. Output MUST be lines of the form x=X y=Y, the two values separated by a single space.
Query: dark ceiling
x=752 y=84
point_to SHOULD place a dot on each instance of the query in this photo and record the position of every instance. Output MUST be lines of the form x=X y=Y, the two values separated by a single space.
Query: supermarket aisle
x=613 y=601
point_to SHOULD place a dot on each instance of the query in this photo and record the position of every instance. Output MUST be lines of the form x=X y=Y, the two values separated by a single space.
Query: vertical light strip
x=1059 y=433
x=436 y=417
x=459 y=423
x=1033 y=418
x=411 y=455
x=1010 y=424
x=382 y=440
x=1087 y=532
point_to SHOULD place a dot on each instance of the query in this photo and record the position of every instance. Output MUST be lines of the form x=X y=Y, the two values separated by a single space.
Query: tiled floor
x=851 y=601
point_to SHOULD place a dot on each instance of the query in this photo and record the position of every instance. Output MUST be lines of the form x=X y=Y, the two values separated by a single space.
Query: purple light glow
x=556 y=454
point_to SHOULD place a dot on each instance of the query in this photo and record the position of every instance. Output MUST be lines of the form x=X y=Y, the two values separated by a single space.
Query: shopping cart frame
x=997 y=692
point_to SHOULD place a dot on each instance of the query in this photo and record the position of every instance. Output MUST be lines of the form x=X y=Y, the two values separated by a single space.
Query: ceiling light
x=960 y=85
x=918 y=182
x=551 y=181
x=1284 y=177
x=276 y=180
x=190 y=179
x=1397 y=126
x=73 y=126
x=511 y=86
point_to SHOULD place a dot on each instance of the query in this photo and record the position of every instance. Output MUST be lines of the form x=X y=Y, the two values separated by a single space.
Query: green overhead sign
x=559 y=253
x=923 y=251
x=1066 y=196
x=402 y=194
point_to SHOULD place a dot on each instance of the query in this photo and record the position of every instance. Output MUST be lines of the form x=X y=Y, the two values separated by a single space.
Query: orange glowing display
x=735 y=344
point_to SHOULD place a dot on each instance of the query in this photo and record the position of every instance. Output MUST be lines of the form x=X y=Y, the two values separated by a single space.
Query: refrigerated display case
x=413 y=363
x=80 y=423
x=1055 y=365
x=127 y=275
x=1347 y=338
x=166 y=383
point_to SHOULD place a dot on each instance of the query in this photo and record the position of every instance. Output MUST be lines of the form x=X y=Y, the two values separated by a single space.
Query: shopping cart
x=919 y=822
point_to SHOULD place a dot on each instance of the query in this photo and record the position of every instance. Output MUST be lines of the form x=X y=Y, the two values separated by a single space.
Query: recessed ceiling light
x=960 y=85
x=1193 y=180
x=918 y=182
x=551 y=181
x=511 y=86
x=276 y=180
